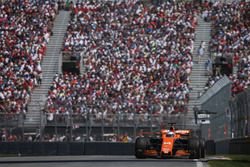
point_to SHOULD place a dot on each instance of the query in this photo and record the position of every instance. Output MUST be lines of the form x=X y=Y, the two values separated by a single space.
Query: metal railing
x=71 y=56
x=11 y=119
x=240 y=114
x=87 y=127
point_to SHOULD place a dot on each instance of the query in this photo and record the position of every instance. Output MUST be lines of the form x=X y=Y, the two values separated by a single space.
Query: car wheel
x=202 y=148
x=194 y=148
x=140 y=146
x=193 y=143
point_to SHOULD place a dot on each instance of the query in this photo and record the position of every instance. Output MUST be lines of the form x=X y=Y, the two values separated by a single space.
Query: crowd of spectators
x=230 y=36
x=25 y=29
x=65 y=5
x=16 y=134
x=137 y=58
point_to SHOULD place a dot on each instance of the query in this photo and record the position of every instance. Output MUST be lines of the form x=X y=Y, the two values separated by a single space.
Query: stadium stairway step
x=50 y=66
x=198 y=77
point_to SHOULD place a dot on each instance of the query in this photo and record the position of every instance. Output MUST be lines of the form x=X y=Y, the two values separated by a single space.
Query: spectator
x=200 y=53
x=25 y=28
x=137 y=57
x=201 y=50
x=230 y=36
x=209 y=66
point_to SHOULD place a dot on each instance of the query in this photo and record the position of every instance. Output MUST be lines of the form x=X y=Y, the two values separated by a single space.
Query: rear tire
x=140 y=146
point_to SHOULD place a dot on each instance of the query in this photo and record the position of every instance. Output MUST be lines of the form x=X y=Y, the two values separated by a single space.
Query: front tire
x=194 y=147
x=140 y=146
x=202 y=148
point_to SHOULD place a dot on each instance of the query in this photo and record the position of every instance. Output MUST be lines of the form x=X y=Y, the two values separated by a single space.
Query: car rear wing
x=182 y=132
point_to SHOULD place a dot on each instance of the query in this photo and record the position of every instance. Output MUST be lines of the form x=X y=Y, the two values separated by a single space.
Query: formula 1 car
x=171 y=143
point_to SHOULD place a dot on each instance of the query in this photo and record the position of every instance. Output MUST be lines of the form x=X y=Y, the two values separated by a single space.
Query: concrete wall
x=216 y=99
x=233 y=146
x=66 y=148
x=230 y=146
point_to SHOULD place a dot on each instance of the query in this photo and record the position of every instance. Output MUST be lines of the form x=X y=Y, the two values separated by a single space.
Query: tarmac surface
x=97 y=161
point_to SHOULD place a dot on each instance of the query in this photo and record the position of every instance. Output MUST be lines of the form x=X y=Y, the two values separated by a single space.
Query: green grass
x=237 y=161
x=240 y=157
x=228 y=163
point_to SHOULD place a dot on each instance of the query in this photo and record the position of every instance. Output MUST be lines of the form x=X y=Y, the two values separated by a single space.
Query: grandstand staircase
x=198 y=76
x=50 y=66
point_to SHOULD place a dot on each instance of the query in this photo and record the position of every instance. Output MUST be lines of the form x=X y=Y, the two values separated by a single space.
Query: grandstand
x=25 y=32
x=89 y=68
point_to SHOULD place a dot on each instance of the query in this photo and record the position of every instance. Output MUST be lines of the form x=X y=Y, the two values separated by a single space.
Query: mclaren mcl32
x=170 y=143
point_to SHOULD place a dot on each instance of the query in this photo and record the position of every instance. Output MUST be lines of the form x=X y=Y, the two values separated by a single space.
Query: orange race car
x=170 y=143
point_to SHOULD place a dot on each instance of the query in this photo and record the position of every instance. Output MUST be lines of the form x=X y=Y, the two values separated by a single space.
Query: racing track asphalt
x=97 y=161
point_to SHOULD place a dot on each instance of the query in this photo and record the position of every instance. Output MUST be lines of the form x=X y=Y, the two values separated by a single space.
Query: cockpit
x=170 y=134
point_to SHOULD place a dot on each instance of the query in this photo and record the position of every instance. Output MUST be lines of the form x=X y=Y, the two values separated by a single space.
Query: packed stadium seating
x=25 y=28
x=137 y=58
x=231 y=37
